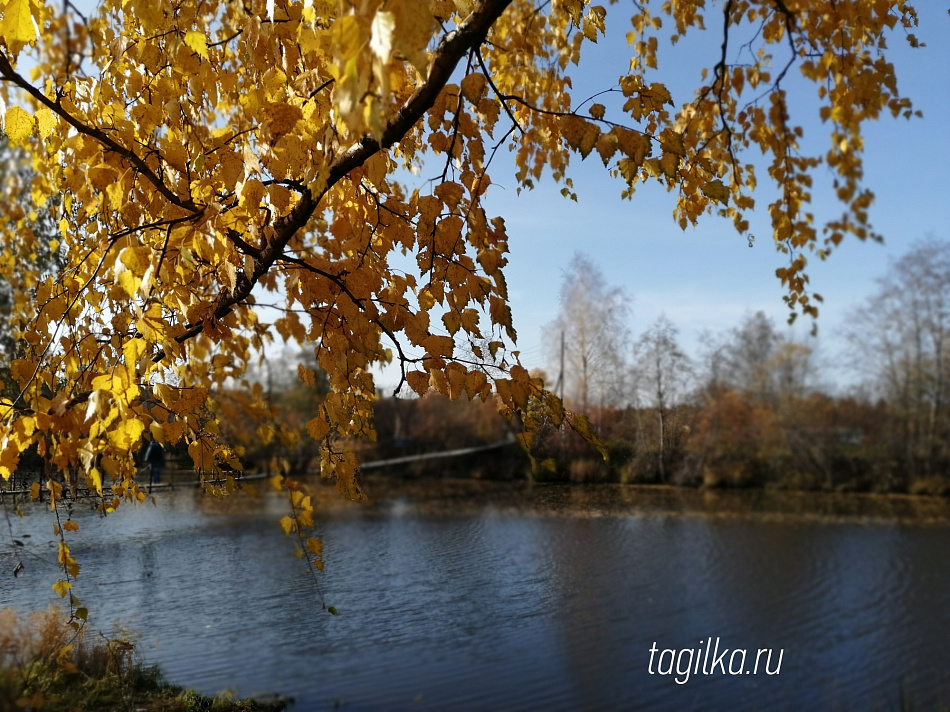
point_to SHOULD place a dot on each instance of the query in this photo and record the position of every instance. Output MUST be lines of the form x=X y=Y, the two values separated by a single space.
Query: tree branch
x=8 y=73
x=450 y=50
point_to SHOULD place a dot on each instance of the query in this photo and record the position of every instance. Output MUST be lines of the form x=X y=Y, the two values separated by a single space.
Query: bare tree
x=791 y=369
x=748 y=350
x=592 y=326
x=759 y=362
x=900 y=339
x=663 y=372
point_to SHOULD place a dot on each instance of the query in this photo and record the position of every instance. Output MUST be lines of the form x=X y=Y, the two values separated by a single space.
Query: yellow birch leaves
x=18 y=26
x=18 y=125
x=206 y=159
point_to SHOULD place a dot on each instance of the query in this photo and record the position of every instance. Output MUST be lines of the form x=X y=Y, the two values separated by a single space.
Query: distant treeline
x=753 y=409
x=726 y=439
x=729 y=439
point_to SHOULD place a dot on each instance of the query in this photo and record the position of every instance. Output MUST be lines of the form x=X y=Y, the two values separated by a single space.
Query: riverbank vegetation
x=47 y=664
x=755 y=408
x=758 y=406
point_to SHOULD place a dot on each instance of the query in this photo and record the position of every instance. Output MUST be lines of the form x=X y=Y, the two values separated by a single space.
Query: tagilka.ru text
x=710 y=659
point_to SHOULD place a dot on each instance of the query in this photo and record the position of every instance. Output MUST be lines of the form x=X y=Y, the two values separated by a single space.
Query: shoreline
x=466 y=495
x=461 y=497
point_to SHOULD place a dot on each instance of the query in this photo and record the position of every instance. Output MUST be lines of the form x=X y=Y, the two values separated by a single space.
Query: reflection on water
x=460 y=596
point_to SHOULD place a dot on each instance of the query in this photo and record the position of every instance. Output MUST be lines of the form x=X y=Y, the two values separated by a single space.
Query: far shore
x=452 y=495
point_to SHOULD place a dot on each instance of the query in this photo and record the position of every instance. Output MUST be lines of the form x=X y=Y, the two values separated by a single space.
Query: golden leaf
x=439 y=345
x=127 y=434
x=198 y=42
x=152 y=325
x=418 y=381
x=202 y=455
x=474 y=86
x=573 y=130
x=452 y=322
x=45 y=122
x=382 y=34
x=17 y=26
x=415 y=24
x=715 y=190
x=307 y=375
x=132 y=351
x=101 y=176
x=633 y=144
x=232 y=170
x=148 y=13
x=157 y=432
x=281 y=118
x=173 y=432
x=315 y=546
x=129 y=283
x=588 y=140
x=18 y=125
x=469 y=319
x=574 y=8
x=426 y=299
x=318 y=427
x=669 y=164
x=95 y=480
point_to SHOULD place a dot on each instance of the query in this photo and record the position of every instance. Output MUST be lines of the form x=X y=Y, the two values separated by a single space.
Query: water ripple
x=490 y=608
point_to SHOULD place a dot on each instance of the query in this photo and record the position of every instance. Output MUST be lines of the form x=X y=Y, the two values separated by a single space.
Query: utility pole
x=559 y=386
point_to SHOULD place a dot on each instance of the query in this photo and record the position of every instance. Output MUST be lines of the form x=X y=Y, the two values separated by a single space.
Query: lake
x=471 y=596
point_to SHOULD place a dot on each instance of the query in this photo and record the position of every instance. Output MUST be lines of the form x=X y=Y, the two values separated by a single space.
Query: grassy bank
x=46 y=664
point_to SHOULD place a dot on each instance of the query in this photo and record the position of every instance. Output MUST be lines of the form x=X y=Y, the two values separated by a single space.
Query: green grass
x=46 y=664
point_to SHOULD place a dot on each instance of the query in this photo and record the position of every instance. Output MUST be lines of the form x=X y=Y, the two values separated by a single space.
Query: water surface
x=461 y=596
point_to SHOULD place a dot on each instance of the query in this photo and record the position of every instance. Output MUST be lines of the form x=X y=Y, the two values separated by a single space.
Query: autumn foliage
x=205 y=159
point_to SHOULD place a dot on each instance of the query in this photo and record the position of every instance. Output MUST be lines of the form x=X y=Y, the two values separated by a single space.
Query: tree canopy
x=201 y=157
x=44 y=258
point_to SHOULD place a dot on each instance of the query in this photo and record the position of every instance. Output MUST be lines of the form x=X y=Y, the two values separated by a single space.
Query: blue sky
x=708 y=278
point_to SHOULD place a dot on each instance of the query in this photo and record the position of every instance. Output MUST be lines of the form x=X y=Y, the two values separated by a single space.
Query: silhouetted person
x=155 y=457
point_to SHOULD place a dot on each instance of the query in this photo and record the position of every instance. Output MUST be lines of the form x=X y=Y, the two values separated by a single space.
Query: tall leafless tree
x=756 y=360
x=663 y=371
x=900 y=339
x=593 y=320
